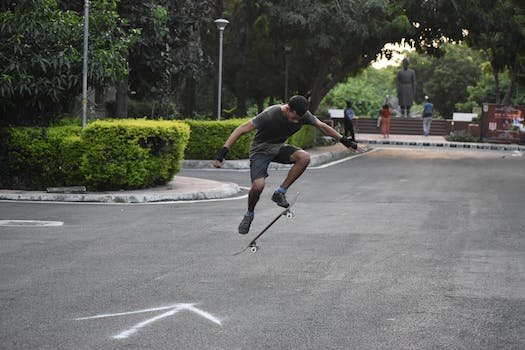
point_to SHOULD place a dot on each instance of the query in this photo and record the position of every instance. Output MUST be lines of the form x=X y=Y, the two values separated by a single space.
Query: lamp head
x=221 y=23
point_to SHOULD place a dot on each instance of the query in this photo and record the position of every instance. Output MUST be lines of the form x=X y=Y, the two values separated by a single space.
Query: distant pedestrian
x=428 y=109
x=349 y=115
x=385 y=114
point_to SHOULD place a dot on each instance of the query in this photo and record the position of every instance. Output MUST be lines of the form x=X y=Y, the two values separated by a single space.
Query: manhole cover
x=30 y=223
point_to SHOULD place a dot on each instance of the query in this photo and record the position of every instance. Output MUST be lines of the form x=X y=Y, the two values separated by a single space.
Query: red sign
x=503 y=123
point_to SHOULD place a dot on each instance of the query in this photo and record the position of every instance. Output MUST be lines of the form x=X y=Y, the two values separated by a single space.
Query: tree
x=191 y=19
x=41 y=58
x=149 y=58
x=249 y=49
x=329 y=41
x=483 y=91
x=446 y=79
x=498 y=30
x=495 y=26
x=368 y=91
x=168 y=59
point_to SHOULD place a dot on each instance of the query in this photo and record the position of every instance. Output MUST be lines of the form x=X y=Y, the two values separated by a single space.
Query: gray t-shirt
x=273 y=129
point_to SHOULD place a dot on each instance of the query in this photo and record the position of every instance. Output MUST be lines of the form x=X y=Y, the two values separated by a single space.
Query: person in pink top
x=386 y=115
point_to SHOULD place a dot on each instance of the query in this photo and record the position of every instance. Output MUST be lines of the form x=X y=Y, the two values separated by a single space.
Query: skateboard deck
x=286 y=212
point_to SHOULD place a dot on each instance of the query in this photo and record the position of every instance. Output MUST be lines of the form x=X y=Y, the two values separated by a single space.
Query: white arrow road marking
x=30 y=223
x=204 y=314
x=130 y=312
x=138 y=326
x=173 y=309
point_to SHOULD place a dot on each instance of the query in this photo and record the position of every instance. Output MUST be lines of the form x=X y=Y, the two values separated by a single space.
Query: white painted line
x=27 y=223
x=138 y=326
x=342 y=160
x=129 y=313
x=204 y=314
x=173 y=309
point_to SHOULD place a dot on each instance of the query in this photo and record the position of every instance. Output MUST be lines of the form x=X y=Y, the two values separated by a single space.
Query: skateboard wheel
x=254 y=248
x=290 y=214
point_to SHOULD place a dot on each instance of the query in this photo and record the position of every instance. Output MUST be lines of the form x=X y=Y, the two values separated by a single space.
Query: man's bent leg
x=300 y=160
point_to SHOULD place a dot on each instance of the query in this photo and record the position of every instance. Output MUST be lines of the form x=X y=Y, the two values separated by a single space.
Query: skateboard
x=286 y=212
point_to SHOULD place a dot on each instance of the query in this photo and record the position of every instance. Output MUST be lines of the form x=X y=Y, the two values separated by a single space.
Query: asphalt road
x=398 y=249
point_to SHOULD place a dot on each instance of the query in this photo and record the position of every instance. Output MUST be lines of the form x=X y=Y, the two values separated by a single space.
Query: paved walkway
x=185 y=188
x=434 y=141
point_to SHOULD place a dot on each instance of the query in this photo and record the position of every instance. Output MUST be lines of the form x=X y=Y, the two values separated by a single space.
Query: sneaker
x=280 y=199
x=245 y=224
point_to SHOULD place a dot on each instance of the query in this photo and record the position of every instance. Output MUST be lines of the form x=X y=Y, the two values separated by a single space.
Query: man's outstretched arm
x=234 y=136
x=329 y=131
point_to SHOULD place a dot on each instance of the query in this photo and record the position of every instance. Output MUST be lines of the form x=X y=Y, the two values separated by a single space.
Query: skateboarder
x=274 y=125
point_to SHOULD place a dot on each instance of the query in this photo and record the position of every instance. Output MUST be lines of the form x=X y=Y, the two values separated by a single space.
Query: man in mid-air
x=274 y=126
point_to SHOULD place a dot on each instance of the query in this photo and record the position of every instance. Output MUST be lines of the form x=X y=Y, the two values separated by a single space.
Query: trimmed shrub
x=132 y=153
x=207 y=137
x=68 y=150
x=36 y=158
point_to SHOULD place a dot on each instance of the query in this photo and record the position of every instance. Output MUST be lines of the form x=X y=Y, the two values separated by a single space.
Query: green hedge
x=132 y=153
x=116 y=154
x=304 y=138
x=207 y=137
x=36 y=158
x=111 y=154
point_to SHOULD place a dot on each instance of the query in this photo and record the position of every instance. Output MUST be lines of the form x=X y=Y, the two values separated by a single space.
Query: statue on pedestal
x=406 y=88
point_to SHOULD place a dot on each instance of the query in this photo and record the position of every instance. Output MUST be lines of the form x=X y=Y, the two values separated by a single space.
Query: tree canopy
x=164 y=53
x=41 y=57
x=327 y=41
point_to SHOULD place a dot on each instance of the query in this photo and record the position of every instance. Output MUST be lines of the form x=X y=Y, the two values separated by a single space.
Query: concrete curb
x=180 y=189
x=458 y=145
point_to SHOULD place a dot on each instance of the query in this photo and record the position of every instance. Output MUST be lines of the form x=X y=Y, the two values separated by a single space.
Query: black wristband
x=348 y=142
x=223 y=152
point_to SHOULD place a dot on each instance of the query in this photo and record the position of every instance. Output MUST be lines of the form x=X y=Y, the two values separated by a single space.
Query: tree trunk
x=496 y=87
x=100 y=103
x=189 y=98
x=240 y=74
x=323 y=84
x=121 y=110
x=319 y=93
x=260 y=104
x=219 y=8
x=510 y=90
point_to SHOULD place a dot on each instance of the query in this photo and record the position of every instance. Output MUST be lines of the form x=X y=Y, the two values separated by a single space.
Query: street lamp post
x=221 y=24
x=85 y=64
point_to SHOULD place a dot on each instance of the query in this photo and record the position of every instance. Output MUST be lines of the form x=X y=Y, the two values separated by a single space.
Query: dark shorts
x=259 y=162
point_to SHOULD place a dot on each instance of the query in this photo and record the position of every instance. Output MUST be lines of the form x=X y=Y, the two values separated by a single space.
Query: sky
x=397 y=56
